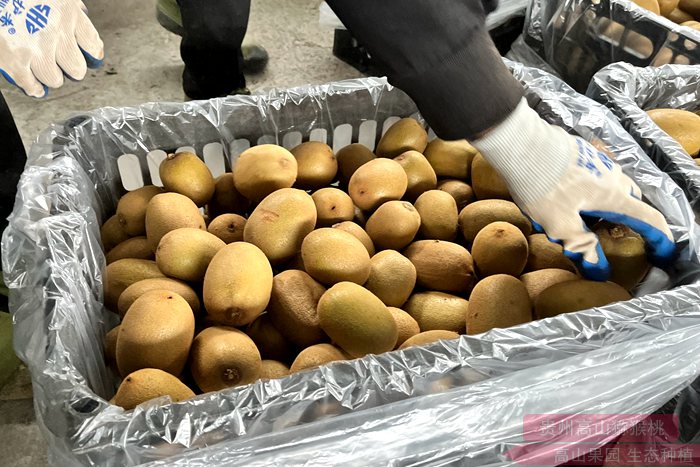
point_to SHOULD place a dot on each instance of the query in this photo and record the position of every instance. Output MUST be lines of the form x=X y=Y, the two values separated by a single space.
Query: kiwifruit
x=667 y=6
x=185 y=253
x=110 y=344
x=360 y=217
x=350 y=158
x=270 y=342
x=356 y=320
x=131 y=209
x=406 y=325
x=122 y=273
x=486 y=181
x=280 y=222
x=393 y=225
x=438 y=215
x=228 y=227
x=316 y=165
x=405 y=135
x=421 y=176
x=537 y=281
x=224 y=357
x=543 y=254
x=135 y=247
x=499 y=248
x=438 y=311
x=479 y=214
x=442 y=266
x=450 y=159
x=376 y=182
x=272 y=369
x=626 y=252
x=570 y=296
x=681 y=125
x=692 y=25
x=149 y=383
x=498 y=301
x=292 y=307
x=651 y=5
x=392 y=277
x=333 y=255
x=187 y=174
x=156 y=332
x=679 y=16
x=262 y=169
x=317 y=355
x=428 y=337
x=332 y=206
x=461 y=191
x=226 y=198
x=359 y=233
x=237 y=284
x=170 y=211
x=691 y=7
x=112 y=233
x=135 y=290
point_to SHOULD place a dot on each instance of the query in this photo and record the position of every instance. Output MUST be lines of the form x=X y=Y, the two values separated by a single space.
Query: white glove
x=555 y=178
x=40 y=40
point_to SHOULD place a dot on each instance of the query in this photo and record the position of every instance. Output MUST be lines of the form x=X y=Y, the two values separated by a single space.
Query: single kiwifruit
x=570 y=296
x=135 y=290
x=442 y=266
x=486 y=181
x=156 y=332
x=537 y=281
x=149 y=383
x=316 y=165
x=438 y=311
x=406 y=325
x=679 y=16
x=479 y=214
x=350 y=158
x=262 y=169
x=626 y=252
x=226 y=198
x=187 y=174
x=228 y=227
x=332 y=206
x=450 y=159
x=359 y=233
x=499 y=248
x=110 y=344
x=498 y=301
x=405 y=135
x=270 y=342
x=543 y=254
x=692 y=7
x=438 y=215
x=185 y=253
x=666 y=7
x=428 y=337
x=280 y=222
x=356 y=320
x=122 y=273
x=292 y=307
x=131 y=209
x=392 y=277
x=393 y=225
x=317 y=355
x=420 y=174
x=112 y=233
x=237 y=284
x=135 y=247
x=333 y=255
x=272 y=369
x=462 y=192
x=376 y=182
x=224 y=357
x=170 y=211
x=681 y=125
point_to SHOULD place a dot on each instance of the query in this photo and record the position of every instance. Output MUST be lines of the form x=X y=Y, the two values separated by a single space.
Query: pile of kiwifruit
x=306 y=257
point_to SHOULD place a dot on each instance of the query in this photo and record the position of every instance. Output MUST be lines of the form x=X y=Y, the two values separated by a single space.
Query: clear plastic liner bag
x=630 y=91
x=460 y=401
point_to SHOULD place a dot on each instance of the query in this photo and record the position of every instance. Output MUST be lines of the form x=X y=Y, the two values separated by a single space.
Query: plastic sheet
x=454 y=401
x=629 y=91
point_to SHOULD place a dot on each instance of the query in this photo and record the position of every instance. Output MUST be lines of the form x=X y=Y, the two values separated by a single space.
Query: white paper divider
x=186 y=149
x=319 y=134
x=235 y=150
x=291 y=139
x=130 y=171
x=154 y=159
x=342 y=136
x=213 y=154
x=388 y=122
x=267 y=139
x=368 y=134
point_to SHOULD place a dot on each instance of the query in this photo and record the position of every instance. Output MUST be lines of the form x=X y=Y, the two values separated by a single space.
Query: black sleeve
x=440 y=53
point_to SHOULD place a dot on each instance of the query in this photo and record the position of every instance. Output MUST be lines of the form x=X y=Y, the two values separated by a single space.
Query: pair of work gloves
x=554 y=177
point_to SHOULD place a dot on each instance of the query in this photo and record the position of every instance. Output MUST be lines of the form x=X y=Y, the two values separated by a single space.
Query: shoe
x=255 y=57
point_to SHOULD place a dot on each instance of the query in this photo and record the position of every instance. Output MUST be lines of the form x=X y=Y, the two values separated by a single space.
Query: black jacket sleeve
x=440 y=53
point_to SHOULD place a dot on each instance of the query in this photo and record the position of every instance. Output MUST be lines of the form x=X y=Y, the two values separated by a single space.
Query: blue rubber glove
x=556 y=178
x=41 y=40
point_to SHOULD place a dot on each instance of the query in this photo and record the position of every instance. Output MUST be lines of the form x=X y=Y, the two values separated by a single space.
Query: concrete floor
x=143 y=64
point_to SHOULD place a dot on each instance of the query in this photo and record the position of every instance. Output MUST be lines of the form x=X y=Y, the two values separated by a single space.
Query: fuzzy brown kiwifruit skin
x=537 y=281
x=626 y=253
x=392 y=277
x=112 y=233
x=273 y=369
x=332 y=255
x=393 y=225
x=406 y=325
x=332 y=207
x=439 y=218
x=228 y=227
x=442 y=266
x=226 y=199
x=262 y=169
x=570 y=296
x=131 y=209
x=358 y=232
x=170 y=211
x=438 y=311
x=187 y=174
x=461 y=191
x=149 y=383
x=135 y=247
x=224 y=357
x=405 y=135
x=428 y=337
x=135 y=290
x=350 y=158
x=487 y=182
x=186 y=253
x=450 y=159
x=498 y=301
x=500 y=248
x=543 y=254
x=421 y=176
x=122 y=273
x=316 y=165
x=110 y=346
x=317 y=355
x=376 y=182
x=271 y=343
x=479 y=214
